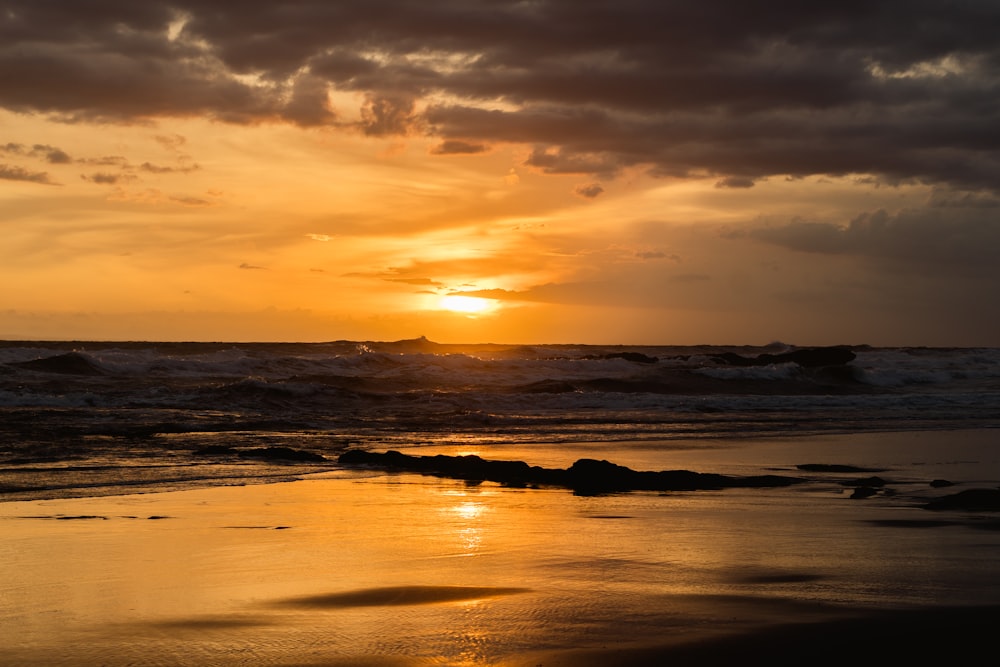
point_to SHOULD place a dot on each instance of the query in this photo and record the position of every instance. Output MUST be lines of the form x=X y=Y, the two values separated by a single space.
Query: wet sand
x=916 y=637
x=364 y=568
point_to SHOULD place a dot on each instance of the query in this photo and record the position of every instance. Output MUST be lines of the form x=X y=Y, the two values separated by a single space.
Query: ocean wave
x=420 y=383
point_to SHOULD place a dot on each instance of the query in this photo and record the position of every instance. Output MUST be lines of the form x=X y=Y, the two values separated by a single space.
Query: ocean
x=184 y=503
x=89 y=418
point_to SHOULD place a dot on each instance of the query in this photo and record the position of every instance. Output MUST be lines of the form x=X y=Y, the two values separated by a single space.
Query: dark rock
x=71 y=363
x=585 y=477
x=863 y=492
x=941 y=483
x=282 y=454
x=974 y=500
x=470 y=468
x=807 y=358
x=834 y=467
x=818 y=356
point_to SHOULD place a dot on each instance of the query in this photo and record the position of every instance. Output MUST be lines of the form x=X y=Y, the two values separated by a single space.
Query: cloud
x=496 y=293
x=589 y=191
x=735 y=182
x=965 y=238
x=560 y=161
x=107 y=179
x=14 y=173
x=107 y=161
x=159 y=169
x=193 y=201
x=50 y=154
x=458 y=147
x=387 y=115
x=251 y=267
x=657 y=254
x=172 y=142
x=898 y=90
x=416 y=281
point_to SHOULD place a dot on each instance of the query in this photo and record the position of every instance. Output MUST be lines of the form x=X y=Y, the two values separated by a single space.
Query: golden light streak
x=470 y=305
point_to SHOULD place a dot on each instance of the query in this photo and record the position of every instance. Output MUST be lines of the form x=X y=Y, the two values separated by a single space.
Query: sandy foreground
x=355 y=568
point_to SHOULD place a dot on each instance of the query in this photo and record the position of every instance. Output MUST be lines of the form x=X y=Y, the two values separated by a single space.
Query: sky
x=537 y=171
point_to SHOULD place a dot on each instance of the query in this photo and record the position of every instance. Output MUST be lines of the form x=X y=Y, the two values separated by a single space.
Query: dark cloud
x=199 y=201
x=107 y=161
x=172 y=142
x=589 y=190
x=159 y=169
x=952 y=199
x=959 y=238
x=251 y=267
x=106 y=179
x=458 y=147
x=14 y=173
x=656 y=254
x=50 y=154
x=905 y=91
x=384 y=115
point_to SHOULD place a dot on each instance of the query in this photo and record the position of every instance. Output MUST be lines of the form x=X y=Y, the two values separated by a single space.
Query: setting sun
x=555 y=331
x=471 y=305
x=204 y=171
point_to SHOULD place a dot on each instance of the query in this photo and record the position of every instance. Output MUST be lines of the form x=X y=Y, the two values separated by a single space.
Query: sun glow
x=470 y=305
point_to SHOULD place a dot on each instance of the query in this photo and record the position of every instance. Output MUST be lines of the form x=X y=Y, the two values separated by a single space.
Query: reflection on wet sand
x=407 y=569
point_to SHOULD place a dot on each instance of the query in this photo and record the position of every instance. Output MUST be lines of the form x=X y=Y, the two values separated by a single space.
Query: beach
x=534 y=333
x=356 y=566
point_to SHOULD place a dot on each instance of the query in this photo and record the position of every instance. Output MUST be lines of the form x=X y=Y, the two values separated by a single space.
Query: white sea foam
x=768 y=372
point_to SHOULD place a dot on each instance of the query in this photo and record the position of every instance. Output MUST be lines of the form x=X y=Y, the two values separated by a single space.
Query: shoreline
x=361 y=568
x=240 y=472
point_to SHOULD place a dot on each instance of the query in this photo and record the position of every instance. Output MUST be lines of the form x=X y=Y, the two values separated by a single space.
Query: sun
x=470 y=305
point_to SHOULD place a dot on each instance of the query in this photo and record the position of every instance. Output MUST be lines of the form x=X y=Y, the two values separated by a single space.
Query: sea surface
x=86 y=418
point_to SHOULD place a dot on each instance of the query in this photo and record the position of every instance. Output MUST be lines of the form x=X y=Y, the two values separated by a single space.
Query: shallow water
x=345 y=567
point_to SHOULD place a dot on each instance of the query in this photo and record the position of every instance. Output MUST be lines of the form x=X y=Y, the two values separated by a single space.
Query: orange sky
x=563 y=202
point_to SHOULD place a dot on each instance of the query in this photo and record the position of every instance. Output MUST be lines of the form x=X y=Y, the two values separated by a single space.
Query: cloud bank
x=903 y=91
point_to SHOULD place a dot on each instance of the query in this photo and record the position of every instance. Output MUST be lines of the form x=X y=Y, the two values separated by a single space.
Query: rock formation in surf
x=585 y=477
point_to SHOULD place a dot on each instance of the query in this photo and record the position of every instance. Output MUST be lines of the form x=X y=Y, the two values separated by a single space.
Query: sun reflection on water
x=469 y=510
x=463 y=520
